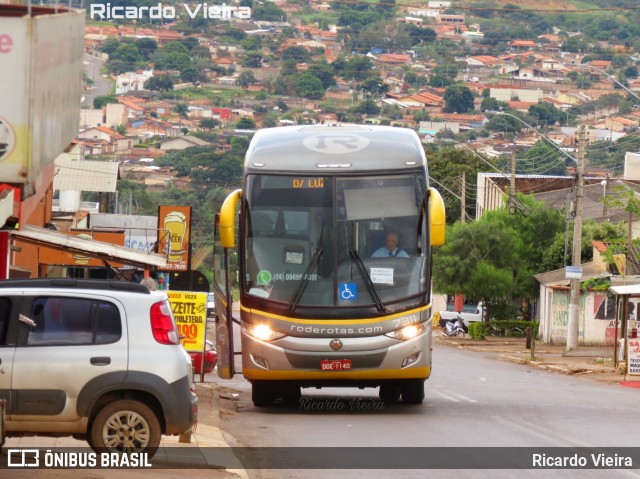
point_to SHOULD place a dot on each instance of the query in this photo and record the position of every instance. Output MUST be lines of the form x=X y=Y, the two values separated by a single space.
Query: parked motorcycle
x=455 y=327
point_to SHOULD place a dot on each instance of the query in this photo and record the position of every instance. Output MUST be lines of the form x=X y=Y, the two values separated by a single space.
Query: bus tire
x=412 y=391
x=261 y=394
x=291 y=394
x=389 y=392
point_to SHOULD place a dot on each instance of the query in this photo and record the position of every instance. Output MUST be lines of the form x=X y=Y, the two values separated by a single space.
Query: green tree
x=553 y=257
x=192 y=74
x=146 y=47
x=268 y=12
x=504 y=124
x=253 y=42
x=367 y=107
x=110 y=45
x=546 y=113
x=626 y=198
x=374 y=85
x=447 y=164
x=159 y=83
x=476 y=260
x=251 y=59
x=125 y=58
x=309 y=86
x=491 y=104
x=100 y=101
x=542 y=159
x=421 y=35
x=496 y=257
x=358 y=68
x=208 y=123
x=458 y=98
x=324 y=72
x=299 y=54
x=189 y=42
x=181 y=109
x=246 y=124
x=245 y=79
x=175 y=47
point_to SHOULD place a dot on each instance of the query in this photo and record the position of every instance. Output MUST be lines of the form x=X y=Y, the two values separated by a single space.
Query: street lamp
x=449 y=140
x=612 y=78
x=548 y=140
x=604 y=196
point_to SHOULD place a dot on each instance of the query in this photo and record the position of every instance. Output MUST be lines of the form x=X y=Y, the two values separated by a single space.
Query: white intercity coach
x=316 y=308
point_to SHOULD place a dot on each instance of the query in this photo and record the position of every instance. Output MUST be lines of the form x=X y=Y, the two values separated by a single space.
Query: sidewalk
x=593 y=361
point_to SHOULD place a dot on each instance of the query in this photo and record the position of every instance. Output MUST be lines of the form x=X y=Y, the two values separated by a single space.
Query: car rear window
x=73 y=321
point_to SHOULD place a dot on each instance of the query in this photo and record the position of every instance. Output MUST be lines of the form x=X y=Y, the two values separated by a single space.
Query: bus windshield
x=322 y=241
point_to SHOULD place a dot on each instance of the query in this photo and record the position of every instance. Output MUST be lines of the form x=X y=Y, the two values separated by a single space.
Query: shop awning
x=631 y=289
x=96 y=249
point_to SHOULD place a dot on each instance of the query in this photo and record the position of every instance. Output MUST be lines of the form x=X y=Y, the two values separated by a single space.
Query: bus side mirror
x=438 y=218
x=228 y=219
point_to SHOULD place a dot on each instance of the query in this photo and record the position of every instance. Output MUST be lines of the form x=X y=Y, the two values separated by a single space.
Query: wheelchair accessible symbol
x=348 y=291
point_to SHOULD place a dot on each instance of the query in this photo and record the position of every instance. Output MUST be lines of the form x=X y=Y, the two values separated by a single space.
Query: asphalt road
x=472 y=401
x=101 y=86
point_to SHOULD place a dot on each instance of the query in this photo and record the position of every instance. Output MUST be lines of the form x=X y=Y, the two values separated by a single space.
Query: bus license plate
x=335 y=364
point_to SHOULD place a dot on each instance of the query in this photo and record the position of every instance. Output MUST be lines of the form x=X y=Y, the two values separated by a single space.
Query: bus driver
x=391 y=248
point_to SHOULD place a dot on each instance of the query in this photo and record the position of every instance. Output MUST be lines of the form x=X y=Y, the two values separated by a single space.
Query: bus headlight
x=407 y=332
x=262 y=332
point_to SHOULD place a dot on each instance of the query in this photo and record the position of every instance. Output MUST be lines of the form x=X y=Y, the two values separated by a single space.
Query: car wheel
x=261 y=394
x=412 y=391
x=125 y=426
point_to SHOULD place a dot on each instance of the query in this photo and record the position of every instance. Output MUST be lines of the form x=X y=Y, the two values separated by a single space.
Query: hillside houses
x=528 y=72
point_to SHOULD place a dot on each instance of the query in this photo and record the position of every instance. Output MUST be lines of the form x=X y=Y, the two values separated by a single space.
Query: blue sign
x=348 y=291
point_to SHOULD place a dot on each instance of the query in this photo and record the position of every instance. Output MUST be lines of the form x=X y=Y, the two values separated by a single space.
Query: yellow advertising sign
x=621 y=263
x=190 y=311
x=174 y=236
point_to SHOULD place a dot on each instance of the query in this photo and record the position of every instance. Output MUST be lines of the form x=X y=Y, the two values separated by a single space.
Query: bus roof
x=317 y=149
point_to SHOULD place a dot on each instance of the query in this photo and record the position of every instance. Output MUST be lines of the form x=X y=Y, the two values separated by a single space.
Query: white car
x=211 y=305
x=92 y=359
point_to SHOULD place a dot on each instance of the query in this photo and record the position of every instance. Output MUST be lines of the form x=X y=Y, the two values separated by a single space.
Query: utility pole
x=463 y=198
x=512 y=185
x=574 y=304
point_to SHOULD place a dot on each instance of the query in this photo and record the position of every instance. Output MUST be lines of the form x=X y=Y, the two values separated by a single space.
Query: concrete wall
x=632 y=166
x=596 y=318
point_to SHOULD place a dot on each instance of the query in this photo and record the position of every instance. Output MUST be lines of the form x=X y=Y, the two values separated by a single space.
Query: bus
x=317 y=307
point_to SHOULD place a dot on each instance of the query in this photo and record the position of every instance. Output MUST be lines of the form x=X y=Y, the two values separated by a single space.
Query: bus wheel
x=291 y=394
x=412 y=391
x=261 y=394
x=389 y=392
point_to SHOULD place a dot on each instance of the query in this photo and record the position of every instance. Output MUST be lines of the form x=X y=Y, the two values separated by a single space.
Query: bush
x=513 y=328
x=477 y=331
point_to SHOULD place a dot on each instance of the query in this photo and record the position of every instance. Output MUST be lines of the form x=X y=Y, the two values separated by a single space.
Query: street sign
x=573 y=272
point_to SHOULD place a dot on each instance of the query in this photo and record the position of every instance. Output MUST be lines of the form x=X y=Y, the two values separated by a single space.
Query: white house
x=132 y=81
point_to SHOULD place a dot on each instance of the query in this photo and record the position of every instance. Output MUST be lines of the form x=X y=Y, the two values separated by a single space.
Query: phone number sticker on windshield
x=295 y=277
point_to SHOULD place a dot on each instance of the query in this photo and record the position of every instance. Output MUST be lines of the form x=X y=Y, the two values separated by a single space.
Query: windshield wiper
x=304 y=281
x=367 y=280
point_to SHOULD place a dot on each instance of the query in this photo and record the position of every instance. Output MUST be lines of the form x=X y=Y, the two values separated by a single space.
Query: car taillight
x=164 y=330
